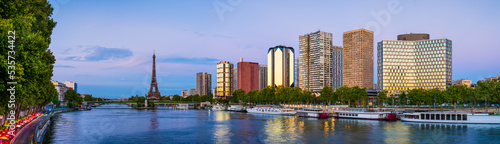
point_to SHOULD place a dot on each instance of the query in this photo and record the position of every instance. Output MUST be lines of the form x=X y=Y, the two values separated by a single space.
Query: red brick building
x=248 y=76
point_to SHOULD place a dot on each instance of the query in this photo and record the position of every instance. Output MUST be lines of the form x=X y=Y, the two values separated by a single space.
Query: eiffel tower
x=154 y=85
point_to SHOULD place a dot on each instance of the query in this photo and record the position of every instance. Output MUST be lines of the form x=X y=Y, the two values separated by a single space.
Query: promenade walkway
x=27 y=133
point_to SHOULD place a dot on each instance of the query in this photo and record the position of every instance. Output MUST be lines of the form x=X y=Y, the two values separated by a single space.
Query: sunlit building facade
x=337 y=66
x=225 y=77
x=280 y=66
x=315 y=61
x=358 y=58
x=262 y=76
x=414 y=61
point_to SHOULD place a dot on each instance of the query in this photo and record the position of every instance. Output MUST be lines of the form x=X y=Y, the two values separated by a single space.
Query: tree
x=403 y=99
x=435 y=96
x=238 y=95
x=56 y=102
x=176 y=98
x=455 y=94
x=381 y=97
x=88 y=98
x=31 y=23
x=79 y=100
x=70 y=95
x=326 y=94
x=416 y=96
x=343 y=93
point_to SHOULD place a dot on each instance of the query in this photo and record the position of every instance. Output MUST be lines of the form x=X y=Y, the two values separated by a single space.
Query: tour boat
x=361 y=114
x=236 y=108
x=312 y=112
x=219 y=107
x=277 y=111
x=448 y=117
x=182 y=106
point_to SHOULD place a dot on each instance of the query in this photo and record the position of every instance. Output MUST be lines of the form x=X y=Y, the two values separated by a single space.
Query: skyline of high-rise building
x=315 y=61
x=248 y=75
x=296 y=72
x=414 y=61
x=225 y=79
x=203 y=83
x=280 y=66
x=262 y=76
x=358 y=58
x=337 y=67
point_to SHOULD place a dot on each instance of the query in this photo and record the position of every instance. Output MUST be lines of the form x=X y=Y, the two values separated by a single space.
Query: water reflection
x=120 y=124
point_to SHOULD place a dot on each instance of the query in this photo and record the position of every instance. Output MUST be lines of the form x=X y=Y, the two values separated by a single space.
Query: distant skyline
x=106 y=46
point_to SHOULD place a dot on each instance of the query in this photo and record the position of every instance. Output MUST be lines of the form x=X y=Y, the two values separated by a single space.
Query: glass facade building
x=417 y=63
x=280 y=66
x=225 y=79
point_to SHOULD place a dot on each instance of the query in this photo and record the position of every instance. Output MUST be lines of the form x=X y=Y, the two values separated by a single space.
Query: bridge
x=150 y=101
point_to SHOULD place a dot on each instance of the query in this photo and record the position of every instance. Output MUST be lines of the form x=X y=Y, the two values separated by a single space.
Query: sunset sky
x=107 y=46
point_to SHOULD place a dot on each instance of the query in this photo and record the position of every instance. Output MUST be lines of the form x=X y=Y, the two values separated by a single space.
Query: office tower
x=315 y=57
x=414 y=61
x=280 y=66
x=191 y=92
x=296 y=72
x=262 y=76
x=203 y=83
x=235 y=79
x=71 y=85
x=358 y=58
x=224 y=79
x=248 y=75
x=337 y=66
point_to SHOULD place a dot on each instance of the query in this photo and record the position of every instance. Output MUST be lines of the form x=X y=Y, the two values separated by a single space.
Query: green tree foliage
x=403 y=98
x=70 y=95
x=455 y=94
x=31 y=20
x=56 y=102
x=416 y=96
x=238 y=95
x=88 y=98
x=381 y=98
x=176 y=98
x=326 y=94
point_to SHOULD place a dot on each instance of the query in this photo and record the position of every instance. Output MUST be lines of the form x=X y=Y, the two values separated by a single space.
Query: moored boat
x=182 y=106
x=364 y=114
x=312 y=112
x=448 y=117
x=236 y=108
x=219 y=107
x=277 y=111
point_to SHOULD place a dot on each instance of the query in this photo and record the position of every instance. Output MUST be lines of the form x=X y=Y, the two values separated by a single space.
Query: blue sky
x=106 y=46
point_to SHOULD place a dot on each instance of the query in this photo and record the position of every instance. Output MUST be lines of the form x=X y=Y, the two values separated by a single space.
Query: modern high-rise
x=358 y=58
x=203 y=83
x=337 y=66
x=191 y=92
x=248 y=75
x=235 y=79
x=225 y=79
x=61 y=89
x=296 y=72
x=262 y=76
x=315 y=61
x=280 y=66
x=414 y=61
x=71 y=85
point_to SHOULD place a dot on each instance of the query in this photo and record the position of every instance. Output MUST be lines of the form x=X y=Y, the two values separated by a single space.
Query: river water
x=115 y=123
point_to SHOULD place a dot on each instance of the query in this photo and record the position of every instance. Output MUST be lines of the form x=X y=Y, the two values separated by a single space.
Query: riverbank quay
x=7 y=135
x=33 y=131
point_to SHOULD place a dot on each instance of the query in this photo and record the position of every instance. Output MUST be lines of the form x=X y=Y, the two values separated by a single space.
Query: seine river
x=115 y=123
